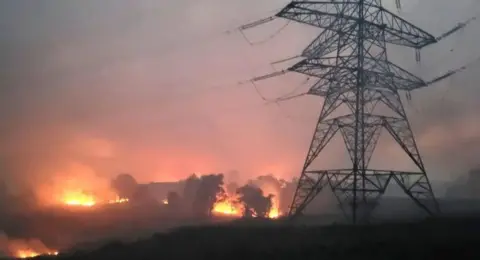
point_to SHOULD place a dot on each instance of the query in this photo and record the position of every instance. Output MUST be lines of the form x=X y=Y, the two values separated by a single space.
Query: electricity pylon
x=349 y=58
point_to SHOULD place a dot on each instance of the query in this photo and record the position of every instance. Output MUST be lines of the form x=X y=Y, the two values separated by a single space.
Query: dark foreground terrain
x=429 y=239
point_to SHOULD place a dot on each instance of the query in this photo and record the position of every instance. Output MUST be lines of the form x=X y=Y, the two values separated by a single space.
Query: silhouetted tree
x=210 y=187
x=174 y=200
x=125 y=185
x=190 y=189
x=254 y=202
x=200 y=193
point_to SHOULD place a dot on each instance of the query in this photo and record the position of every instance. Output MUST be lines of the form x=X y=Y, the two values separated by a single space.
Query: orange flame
x=227 y=206
x=78 y=198
x=274 y=211
x=118 y=200
x=29 y=253
x=81 y=199
x=230 y=206
x=26 y=248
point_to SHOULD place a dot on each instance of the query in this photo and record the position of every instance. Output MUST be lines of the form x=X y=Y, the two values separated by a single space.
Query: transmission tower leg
x=415 y=184
x=312 y=182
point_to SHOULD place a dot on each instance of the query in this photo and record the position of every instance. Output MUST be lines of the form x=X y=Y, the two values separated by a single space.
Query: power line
x=271 y=37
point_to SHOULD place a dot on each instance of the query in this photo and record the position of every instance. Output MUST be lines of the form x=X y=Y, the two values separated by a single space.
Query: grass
x=455 y=238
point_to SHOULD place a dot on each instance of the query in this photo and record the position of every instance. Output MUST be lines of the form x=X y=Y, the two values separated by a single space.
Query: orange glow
x=26 y=248
x=78 y=198
x=74 y=185
x=165 y=202
x=81 y=199
x=29 y=253
x=274 y=211
x=118 y=200
x=227 y=208
x=230 y=206
x=26 y=254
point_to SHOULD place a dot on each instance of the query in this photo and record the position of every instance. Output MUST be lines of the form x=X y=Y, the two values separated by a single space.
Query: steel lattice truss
x=349 y=59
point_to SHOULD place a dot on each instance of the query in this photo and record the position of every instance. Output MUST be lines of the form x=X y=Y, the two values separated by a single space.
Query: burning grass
x=29 y=253
x=25 y=248
x=78 y=198
x=75 y=214
x=83 y=199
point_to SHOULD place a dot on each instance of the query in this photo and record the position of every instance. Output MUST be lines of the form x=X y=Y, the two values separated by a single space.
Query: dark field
x=63 y=229
x=453 y=238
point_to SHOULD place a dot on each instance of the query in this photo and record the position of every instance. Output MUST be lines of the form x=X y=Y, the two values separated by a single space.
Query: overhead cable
x=452 y=72
x=458 y=27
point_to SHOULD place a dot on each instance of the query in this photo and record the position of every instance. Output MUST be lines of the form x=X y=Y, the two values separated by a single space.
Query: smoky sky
x=150 y=88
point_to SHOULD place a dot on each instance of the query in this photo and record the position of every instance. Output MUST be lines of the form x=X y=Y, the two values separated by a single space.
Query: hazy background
x=92 y=88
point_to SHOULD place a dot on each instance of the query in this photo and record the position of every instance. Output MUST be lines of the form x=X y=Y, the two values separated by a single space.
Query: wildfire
x=118 y=200
x=274 y=211
x=29 y=253
x=82 y=199
x=230 y=206
x=227 y=206
x=79 y=198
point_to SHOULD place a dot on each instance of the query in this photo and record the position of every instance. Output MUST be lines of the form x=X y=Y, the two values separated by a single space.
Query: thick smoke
x=281 y=189
x=22 y=201
x=89 y=91
x=82 y=88
x=444 y=115
x=94 y=85
x=466 y=186
x=22 y=248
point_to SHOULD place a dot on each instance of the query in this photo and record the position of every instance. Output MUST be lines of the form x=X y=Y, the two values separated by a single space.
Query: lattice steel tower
x=349 y=58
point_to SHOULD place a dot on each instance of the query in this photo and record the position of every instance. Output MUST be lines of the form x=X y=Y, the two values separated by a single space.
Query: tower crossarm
x=337 y=16
x=322 y=14
x=399 y=31
x=343 y=69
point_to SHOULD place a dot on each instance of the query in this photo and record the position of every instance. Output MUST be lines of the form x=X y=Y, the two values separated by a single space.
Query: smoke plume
x=22 y=248
x=91 y=89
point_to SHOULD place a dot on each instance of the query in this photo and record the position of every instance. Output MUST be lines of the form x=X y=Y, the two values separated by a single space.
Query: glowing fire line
x=80 y=199
x=227 y=208
x=118 y=200
x=28 y=253
x=230 y=207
